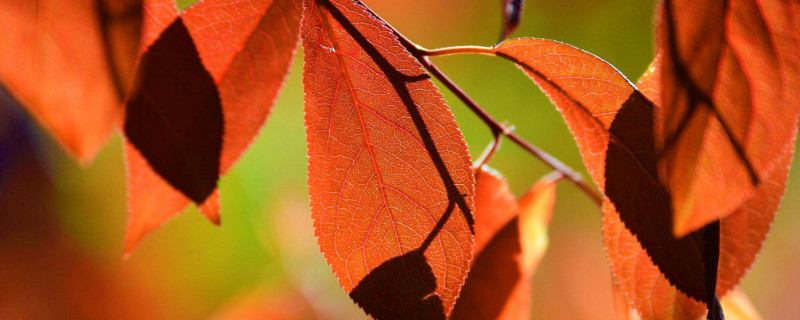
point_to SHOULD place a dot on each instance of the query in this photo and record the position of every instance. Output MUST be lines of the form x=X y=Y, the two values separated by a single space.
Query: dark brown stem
x=423 y=56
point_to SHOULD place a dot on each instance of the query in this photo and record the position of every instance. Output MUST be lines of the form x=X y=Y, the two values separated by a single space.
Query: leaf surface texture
x=390 y=177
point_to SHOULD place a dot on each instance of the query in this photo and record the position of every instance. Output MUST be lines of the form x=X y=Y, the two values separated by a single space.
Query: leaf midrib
x=329 y=30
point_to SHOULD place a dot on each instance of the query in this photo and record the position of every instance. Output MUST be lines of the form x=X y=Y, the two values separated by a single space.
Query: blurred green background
x=193 y=269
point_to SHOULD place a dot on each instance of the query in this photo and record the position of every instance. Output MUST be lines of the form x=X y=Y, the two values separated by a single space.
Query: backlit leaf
x=741 y=236
x=174 y=116
x=731 y=92
x=244 y=49
x=495 y=205
x=70 y=64
x=736 y=304
x=390 y=178
x=612 y=123
x=499 y=283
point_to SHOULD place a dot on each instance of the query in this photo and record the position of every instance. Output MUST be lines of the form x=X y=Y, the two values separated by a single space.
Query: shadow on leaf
x=401 y=288
x=495 y=267
x=405 y=287
x=644 y=205
x=174 y=116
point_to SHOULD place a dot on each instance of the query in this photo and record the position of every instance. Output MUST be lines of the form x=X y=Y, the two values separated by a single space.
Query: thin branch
x=489 y=152
x=423 y=56
x=455 y=50
x=694 y=96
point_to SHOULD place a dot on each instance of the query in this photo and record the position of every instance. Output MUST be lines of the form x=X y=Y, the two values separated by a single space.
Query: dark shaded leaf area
x=174 y=116
x=495 y=267
x=644 y=205
x=406 y=283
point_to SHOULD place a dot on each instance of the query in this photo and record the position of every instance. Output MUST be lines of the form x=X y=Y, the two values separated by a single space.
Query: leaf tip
x=125 y=256
x=78 y=150
x=210 y=208
x=682 y=225
x=131 y=242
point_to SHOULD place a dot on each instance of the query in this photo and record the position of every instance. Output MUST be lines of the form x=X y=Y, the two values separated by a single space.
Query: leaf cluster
x=690 y=162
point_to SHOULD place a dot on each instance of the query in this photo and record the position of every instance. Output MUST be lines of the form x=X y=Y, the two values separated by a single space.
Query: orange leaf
x=70 y=64
x=498 y=285
x=612 y=124
x=736 y=304
x=731 y=93
x=495 y=205
x=390 y=177
x=246 y=60
x=741 y=236
x=174 y=116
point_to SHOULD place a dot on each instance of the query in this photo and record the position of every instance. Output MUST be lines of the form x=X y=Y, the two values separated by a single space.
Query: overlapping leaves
x=511 y=238
x=730 y=108
x=206 y=82
x=692 y=161
x=613 y=124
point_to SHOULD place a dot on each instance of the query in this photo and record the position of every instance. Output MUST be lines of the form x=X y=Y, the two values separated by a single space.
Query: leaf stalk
x=498 y=129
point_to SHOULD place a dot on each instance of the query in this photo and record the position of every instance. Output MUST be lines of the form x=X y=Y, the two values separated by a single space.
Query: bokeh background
x=264 y=257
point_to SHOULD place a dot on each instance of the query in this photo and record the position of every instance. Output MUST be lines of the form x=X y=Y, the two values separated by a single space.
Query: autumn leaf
x=495 y=205
x=741 y=236
x=731 y=93
x=177 y=125
x=390 y=178
x=71 y=65
x=207 y=82
x=622 y=309
x=612 y=124
x=498 y=284
x=736 y=304
x=512 y=13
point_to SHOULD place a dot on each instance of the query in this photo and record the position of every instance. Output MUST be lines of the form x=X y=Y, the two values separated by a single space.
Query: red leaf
x=247 y=58
x=70 y=63
x=614 y=133
x=741 y=236
x=731 y=92
x=612 y=124
x=498 y=285
x=174 y=115
x=389 y=173
x=495 y=205
x=736 y=304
